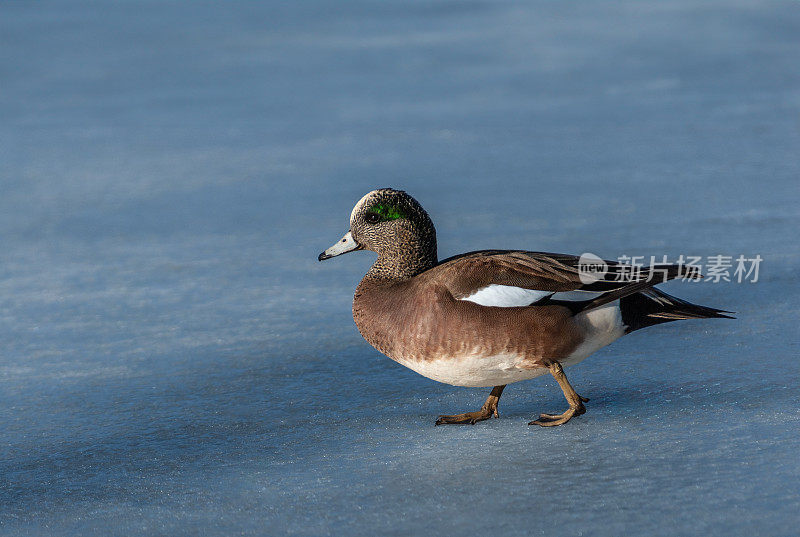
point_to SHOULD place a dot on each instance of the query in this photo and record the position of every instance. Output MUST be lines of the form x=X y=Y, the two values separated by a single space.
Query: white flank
x=508 y=296
x=601 y=326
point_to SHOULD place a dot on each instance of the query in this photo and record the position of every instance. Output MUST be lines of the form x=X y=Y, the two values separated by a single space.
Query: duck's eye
x=372 y=218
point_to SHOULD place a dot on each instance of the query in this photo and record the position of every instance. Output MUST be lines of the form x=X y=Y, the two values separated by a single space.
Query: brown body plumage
x=421 y=319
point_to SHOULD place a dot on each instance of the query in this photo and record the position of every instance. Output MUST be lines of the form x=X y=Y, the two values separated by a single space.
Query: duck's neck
x=398 y=264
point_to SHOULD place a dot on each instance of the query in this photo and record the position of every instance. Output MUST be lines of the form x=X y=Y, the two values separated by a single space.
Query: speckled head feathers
x=393 y=224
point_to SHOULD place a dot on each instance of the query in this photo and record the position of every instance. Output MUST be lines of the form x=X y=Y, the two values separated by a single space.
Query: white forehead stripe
x=508 y=296
x=359 y=204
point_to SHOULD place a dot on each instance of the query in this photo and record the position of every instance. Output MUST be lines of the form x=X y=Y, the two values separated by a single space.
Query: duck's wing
x=516 y=278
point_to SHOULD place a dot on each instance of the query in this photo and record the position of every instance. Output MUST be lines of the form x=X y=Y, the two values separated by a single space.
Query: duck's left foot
x=551 y=420
x=488 y=410
x=468 y=418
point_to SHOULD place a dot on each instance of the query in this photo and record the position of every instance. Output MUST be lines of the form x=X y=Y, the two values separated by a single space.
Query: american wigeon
x=493 y=317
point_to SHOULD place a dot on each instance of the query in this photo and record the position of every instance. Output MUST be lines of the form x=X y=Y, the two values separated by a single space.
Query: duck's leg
x=488 y=410
x=575 y=401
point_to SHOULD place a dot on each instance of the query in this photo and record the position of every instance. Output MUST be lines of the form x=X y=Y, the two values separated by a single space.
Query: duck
x=490 y=318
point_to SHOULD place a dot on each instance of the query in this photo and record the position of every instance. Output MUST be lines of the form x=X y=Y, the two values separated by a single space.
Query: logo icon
x=591 y=268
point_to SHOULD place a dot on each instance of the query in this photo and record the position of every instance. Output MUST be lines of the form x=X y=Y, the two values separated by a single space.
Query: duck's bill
x=345 y=244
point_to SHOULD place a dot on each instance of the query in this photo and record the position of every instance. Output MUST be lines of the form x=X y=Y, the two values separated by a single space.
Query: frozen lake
x=175 y=361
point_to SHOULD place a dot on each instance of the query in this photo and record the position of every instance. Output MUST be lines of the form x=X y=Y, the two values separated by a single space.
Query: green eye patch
x=386 y=212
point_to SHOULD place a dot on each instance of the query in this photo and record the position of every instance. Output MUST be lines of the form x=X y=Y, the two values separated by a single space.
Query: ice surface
x=176 y=362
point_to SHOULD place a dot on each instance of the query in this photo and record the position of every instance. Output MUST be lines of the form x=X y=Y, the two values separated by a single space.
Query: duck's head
x=396 y=227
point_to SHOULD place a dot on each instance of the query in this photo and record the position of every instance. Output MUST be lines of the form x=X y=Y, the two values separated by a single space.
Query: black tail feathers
x=652 y=306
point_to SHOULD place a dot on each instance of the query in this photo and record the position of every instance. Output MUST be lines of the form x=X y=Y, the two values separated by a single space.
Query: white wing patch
x=576 y=296
x=508 y=296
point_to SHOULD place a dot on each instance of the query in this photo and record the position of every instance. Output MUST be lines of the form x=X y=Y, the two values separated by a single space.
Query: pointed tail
x=653 y=306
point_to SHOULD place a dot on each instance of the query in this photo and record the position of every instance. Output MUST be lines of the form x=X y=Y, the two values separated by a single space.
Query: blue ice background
x=174 y=361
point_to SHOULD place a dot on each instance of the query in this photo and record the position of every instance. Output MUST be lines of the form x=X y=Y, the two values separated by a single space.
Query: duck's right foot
x=575 y=401
x=551 y=420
